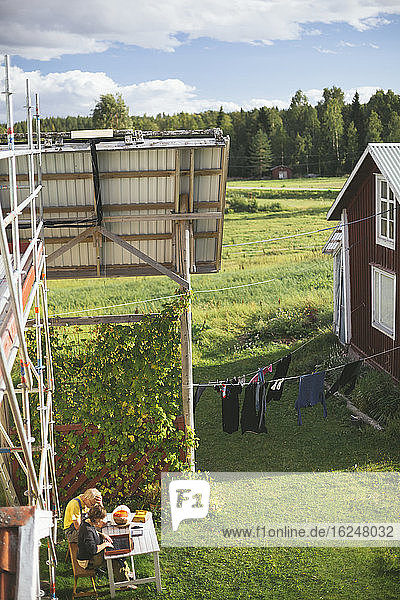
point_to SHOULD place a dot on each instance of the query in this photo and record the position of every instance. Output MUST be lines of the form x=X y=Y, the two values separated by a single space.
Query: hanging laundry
x=230 y=391
x=311 y=392
x=275 y=393
x=347 y=379
x=265 y=371
x=197 y=394
x=254 y=404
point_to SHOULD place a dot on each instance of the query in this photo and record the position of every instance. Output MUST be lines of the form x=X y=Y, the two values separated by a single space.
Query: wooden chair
x=80 y=572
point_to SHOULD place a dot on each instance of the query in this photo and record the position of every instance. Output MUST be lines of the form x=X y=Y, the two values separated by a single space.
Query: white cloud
x=347 y=44
x=76 y=92
x=324 y=50
x=45 y=29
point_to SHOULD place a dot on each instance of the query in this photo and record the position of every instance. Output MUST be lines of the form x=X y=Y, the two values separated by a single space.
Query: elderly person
x=76 y=510
x=91 y=545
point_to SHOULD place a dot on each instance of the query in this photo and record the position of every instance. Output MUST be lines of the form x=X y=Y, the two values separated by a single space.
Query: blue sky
x=186 y=55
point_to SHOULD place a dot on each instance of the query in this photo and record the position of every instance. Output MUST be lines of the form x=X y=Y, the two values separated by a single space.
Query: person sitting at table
x=76 y=510
x=91 y=545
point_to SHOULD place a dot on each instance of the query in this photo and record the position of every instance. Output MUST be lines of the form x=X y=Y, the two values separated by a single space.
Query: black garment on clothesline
x=197 y=394
x=253 y=410
x=230 y=404
x=347 y=379
x=280 y=373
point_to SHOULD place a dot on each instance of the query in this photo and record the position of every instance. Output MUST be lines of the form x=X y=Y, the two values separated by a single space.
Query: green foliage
x=111 y=112
x=259 y=154
x=378 y=396
x=125 y=381
x=239 y=202
x=286 y=326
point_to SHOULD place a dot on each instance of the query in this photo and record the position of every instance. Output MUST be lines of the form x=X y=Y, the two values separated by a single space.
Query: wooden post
x=186 y=333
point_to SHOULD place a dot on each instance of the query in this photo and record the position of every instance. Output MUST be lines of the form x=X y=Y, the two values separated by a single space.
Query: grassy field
x=235 y=332
x=334 y=183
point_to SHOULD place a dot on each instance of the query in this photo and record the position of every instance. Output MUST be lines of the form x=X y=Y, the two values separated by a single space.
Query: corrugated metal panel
x=68 y=183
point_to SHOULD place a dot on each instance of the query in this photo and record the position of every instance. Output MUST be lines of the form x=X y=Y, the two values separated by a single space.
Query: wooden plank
x=85 y=234
x=95 y=320
x=133 y=206
x=117 y=175
x=142 y=237
x=166 y=217
x=150 y=261
x=222 y=200
x=118 y=271
x=177 y=180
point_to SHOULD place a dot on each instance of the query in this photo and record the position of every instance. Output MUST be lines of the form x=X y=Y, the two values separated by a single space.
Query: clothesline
x=286 y=237
x=232 y=287
x=294 y=377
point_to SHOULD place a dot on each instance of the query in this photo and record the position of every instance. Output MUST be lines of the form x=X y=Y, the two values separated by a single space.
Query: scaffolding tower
x=26 y=406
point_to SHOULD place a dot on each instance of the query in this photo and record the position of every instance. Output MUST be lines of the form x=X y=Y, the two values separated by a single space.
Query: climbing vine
x=122 y=384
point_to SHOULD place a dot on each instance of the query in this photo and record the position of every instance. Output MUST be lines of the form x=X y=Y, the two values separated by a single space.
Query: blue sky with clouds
x=192 y=56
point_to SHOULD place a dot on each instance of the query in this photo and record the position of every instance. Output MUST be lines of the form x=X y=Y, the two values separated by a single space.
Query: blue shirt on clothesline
x=311 y=392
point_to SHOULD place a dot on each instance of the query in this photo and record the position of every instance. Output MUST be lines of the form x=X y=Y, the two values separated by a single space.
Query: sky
x=194 y=55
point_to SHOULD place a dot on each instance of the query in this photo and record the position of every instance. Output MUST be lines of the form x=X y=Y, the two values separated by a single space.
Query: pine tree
x=259 y=154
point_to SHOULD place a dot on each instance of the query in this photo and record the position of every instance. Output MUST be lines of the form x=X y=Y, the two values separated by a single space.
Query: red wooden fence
x=71 y=477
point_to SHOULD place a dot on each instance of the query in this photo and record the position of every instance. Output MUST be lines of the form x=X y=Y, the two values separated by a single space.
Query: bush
x=238 y=203
x=377 y=395
x=287 y=326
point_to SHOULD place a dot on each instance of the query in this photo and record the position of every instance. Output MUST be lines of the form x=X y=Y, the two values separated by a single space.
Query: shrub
x=239 y=203
x=377 y=395
x=287 y=325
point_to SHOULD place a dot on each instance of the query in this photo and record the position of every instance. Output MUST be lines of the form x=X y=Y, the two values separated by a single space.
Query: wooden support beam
x=107 y=208
x=117 y=175
x=177 y=174
x=144 y=257
x=137 y=237
x=79 y=238
x=166 y=217
x=222 y=201
x=191 y=209
x=95 y=320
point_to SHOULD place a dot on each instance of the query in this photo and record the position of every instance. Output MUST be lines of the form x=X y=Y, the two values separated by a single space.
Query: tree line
x=326 y=139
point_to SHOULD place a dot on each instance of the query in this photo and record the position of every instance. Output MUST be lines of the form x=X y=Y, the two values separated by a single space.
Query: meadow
x=324 y=183
x=235 y=332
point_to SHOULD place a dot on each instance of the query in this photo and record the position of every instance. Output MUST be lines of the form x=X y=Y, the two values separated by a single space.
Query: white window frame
x=381 y=239
x=375 y=302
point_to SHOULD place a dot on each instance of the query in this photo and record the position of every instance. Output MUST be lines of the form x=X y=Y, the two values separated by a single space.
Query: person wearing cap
x=76 y=510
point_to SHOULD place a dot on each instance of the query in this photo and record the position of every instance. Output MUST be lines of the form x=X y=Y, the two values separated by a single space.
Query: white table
x=143 y=544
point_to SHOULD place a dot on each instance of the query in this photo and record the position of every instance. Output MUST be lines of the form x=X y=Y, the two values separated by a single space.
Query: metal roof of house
x=387 y=159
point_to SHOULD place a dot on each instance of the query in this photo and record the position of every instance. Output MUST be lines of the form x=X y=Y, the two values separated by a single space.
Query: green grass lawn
x=234 y=334
x=305 y=182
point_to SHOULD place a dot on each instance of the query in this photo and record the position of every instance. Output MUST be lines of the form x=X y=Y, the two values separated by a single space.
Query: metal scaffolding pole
x=25 y=288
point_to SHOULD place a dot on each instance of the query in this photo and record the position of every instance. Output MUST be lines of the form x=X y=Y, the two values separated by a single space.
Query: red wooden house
x=366 y=251
x=281 y=172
